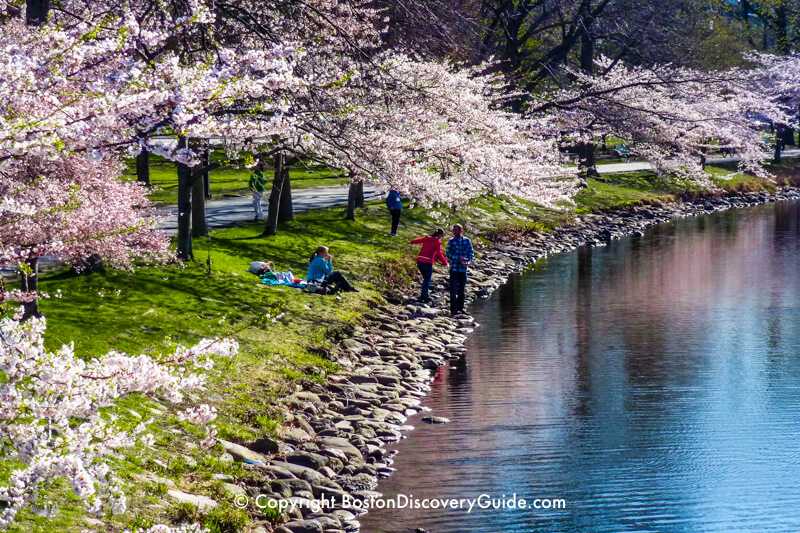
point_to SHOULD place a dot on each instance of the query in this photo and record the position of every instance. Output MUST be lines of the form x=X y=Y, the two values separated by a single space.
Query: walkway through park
x=229 y=211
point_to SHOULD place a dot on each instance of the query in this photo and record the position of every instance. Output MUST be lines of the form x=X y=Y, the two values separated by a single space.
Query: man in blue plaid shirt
x=460 y=255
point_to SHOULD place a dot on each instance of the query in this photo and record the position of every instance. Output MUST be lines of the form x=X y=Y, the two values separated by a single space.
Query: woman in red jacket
x=430 y=252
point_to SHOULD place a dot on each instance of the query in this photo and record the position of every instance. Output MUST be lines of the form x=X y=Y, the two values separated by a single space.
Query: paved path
x=616 y=168
x=228 y=211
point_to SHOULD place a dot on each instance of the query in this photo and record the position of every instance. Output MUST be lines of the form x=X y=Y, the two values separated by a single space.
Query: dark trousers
x=458 y=282
x=339 y=282
x=395 y=218
x=426 y=269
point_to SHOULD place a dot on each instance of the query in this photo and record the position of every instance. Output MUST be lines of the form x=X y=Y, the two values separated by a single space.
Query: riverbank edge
x=333 y=450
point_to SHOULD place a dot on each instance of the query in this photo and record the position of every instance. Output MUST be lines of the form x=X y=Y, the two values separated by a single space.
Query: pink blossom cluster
x=666 y=115
x=95 y=86
x=202 y=416
x=51 y=417
x=777 y=79
x=438 y=134
x=75 y=208
x=17 y=295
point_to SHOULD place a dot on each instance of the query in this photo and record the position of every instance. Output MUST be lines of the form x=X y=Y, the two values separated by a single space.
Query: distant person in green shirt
x=257 y=184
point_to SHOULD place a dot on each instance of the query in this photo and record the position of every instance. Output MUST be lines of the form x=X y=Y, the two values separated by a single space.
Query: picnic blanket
x=284 y=278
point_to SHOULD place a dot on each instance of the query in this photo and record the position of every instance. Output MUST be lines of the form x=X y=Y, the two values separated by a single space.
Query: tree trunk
x=351 y=202
x=30 y=283
x=274 y=197
x=777 y=158
x=36 y=12
x=143 y=167
x=746 y=22
x=207 y=174
x=587 y=53
x=782 y=43
x=184 y=209
x=199 y=222
x=586 y=162
x=360 y=194
x=285 y=206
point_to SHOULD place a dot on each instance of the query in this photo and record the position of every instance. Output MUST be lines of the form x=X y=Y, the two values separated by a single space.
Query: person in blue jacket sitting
x=320 y=269
x=395 y=208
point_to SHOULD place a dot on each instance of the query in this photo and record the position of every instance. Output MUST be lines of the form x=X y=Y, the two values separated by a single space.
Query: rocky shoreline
x=335 y=450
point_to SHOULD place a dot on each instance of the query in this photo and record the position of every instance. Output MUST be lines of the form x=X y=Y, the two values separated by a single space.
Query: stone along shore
x=333 y=449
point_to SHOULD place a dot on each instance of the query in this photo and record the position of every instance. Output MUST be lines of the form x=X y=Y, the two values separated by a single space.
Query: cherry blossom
x=74 y=208
x=671 y=117
x=52 y=418
x=438 y=133
x=94 y=87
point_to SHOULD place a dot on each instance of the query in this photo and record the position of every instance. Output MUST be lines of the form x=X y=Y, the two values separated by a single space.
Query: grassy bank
x=286 y=335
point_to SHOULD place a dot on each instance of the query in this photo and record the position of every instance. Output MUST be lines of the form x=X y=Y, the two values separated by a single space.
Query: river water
x=653 y=385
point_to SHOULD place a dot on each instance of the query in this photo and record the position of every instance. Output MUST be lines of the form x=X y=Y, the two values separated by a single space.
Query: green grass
x=229 y=180
x=147 y=310
x=621 y=190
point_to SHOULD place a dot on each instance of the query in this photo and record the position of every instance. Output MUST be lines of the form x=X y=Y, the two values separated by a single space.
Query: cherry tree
x=95 y=86
x=439 y=134
x=337 y=40
x=53 y=421
x=671 y=117
x=101 y=83
x=74 y=208
x=776 y=77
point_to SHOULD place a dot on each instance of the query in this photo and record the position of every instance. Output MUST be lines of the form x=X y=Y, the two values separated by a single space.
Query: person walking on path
x=460 y=254
x=395 y=208
x=320 y=269
x=431 y=252
x=257 y=184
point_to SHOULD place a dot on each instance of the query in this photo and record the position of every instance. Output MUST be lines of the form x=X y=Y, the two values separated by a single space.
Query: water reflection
x=652 y=384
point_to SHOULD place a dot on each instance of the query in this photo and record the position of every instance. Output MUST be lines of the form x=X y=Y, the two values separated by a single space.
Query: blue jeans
x=458 y=282
x=426 y=269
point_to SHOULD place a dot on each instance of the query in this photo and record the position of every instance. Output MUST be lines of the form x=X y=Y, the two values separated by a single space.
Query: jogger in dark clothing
x=395 y=208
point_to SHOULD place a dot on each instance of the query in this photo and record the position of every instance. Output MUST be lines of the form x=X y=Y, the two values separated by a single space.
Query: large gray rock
x=277 y=471
x=241 y=453
x=300 y=526
x=234 y=490
x=199 y=501
x=303 y=472
x=294 y=435
x=435 y=419
x=309 y=459
x=341 y=444
x=309 y=397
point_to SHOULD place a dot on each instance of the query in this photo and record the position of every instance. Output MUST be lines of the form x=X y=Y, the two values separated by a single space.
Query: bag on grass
x=259 y=268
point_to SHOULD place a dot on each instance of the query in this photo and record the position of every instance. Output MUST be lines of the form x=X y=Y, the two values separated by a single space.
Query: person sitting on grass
x=320 y=269
x=431 y=252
